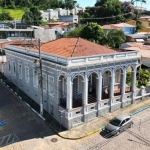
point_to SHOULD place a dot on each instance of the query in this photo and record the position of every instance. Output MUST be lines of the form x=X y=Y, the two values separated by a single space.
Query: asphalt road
x=17 y=121
x=22 y=129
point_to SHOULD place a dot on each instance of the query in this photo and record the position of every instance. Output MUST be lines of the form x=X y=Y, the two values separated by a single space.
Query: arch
x=80 y=74
x=118 y=81
x=64 y=75
x=109 y=69
x=91 y=72
x=120 y=67
x=78 y=90
x=92 y=87
x=130 y=66
x=129 y=78
x=106 y=83
x=62 y=90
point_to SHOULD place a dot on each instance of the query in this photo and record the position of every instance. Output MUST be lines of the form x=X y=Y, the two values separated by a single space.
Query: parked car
x=119 y=124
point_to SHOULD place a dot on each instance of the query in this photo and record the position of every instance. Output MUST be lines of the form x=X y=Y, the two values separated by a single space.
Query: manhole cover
x=54 y=140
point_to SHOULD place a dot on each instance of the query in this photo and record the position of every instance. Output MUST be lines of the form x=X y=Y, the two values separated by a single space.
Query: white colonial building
x=80 y=78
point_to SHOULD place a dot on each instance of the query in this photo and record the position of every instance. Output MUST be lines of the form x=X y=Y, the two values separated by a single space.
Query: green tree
x=143 y=77
x=113 y=38
x=4 y=16
x=92 y=32
x=27 y=17
x=138 y=26
x=74 y=33
x=32 y=16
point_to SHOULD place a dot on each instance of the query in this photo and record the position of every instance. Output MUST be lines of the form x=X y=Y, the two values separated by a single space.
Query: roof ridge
x=75 y=47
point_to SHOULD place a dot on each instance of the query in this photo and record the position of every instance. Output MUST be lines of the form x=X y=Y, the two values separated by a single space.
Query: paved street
x=20 y=122
x=27 y=131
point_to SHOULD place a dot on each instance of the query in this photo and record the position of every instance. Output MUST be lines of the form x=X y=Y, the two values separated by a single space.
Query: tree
x=113 y=38
x=5 y=16
x=92 y=32
x=27 y=17
x=75 y=33
x=138 y=26
x=143 y=77
x=32 y=16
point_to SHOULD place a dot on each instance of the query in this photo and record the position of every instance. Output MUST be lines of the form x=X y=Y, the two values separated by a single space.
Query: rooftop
x=69 y=47
x=110 y=26
x=144 y=50
x=124 y=25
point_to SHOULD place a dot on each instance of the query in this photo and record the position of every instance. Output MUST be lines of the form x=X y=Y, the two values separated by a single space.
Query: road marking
x=2 y=123
x=8 y=139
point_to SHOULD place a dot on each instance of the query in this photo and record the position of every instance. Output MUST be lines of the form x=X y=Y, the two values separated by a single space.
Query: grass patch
x=15 y=13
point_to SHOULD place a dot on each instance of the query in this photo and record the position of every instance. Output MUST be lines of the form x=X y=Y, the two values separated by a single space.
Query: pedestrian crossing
x=8 y=139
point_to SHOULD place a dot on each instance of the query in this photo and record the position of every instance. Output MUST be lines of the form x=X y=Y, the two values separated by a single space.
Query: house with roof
x=82 y=79
x=109 y=27
x=61 y=27
x=142 y=48
x=127 y=28
x=136 y=37
x=145 y=21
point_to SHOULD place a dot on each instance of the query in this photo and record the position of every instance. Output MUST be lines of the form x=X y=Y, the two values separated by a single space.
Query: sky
x=85 y=3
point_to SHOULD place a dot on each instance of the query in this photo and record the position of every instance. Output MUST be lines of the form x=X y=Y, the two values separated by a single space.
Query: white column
x=99 y=90
x=123 y=81
x=133 y=83
x=134 y=79
x=69 y=92
x=112 y=85
x=85 y=98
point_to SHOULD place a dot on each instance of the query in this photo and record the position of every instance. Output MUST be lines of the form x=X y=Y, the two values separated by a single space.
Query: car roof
x=123 y=116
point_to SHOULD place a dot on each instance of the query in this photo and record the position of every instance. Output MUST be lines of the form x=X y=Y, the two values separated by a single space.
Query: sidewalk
x=96 y=125
x=80 y=131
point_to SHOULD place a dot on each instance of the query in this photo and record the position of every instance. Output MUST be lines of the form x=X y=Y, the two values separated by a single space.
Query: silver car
x=119 y=124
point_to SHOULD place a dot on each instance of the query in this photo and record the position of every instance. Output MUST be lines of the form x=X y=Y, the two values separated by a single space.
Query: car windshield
x=115 y=122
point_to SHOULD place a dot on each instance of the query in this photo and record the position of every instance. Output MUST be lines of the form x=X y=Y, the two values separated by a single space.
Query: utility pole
x=41 y=79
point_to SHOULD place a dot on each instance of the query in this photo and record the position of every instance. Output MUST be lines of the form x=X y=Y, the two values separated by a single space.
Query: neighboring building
x=145 y=21
x=144 y=30
x=82 y=79
x=131 y=22
x=109 y=27
x=127 y=28
x=136 y=38
x=140 y=9
x=3 y=25
x=29 y=33
x=142 y=48
x=16 y=33
x=3 y=60
x=49 y=14
x=61 y=27
x=70 y=18
x=54 y=15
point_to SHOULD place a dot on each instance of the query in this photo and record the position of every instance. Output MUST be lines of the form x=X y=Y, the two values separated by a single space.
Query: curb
x=90 y=133
x=72 y=138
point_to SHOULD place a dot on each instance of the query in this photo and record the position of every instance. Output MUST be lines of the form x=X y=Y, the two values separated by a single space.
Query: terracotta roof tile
x=74 y=47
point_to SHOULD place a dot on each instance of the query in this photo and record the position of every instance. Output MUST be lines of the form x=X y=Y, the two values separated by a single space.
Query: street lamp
x=38 y=64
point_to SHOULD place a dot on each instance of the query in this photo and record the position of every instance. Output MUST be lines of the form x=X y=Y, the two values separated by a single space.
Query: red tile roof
x=73 y=47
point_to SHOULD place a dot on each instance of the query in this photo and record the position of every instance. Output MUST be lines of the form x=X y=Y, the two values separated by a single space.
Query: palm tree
x=143 y=1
